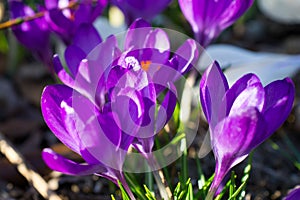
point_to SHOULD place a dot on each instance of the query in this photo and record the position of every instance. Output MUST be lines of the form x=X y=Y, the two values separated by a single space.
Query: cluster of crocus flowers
x=241 y=117
x=145 y=9
x=61 y=17
x=144 y=53
x=209 y=18
x=109 y=98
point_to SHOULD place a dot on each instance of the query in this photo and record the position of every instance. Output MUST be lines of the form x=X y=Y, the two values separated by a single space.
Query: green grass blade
x=123 y=192
x=135 y=186
x=189 y=195
x=232 y=186
x=241 y=190
x=184 y=168
x=112 y=197
x=149 y=194
x=177 y=191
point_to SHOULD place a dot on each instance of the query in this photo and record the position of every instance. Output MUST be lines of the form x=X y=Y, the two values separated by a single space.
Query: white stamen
x=131 y=61
x=64 y=4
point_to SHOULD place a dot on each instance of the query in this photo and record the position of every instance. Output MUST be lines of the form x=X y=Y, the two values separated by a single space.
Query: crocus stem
x=164 y=191
x=211 y=194
x=202 y=39
x=219 y=176
x=126 y=187
x=213 y=189
x=149 y=181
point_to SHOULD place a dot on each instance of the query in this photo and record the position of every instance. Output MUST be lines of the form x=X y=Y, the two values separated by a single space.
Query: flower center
x=146 y=65
x=131 y=61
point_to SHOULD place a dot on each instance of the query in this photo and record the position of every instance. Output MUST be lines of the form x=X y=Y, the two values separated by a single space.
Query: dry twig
x=7 y=149
x=20 y=20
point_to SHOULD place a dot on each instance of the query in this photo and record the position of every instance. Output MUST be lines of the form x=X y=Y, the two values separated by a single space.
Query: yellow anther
x=145 y=65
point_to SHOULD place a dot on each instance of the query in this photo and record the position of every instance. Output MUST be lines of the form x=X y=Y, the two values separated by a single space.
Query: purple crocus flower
x=209 y=18
x=294 y=194
x=151 y=47
x=89 y=128
x=90 y=124
x=34 y=34
x=91 y=132
x=145 y=9
x=65 y=22
x=241 y=117
x=146 y=53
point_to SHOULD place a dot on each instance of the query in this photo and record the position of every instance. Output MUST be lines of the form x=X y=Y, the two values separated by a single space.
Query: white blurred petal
x=267 y=66
x=284 y=11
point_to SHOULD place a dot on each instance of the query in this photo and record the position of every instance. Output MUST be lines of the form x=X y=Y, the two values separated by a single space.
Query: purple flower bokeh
x=145 y=9
x=66 y=22
x=209 y=18
x=62 y=17
x=34 y=34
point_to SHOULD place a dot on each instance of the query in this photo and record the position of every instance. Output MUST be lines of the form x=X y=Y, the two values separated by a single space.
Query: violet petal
x=278 y=104
x=59 y=163
x=253 y=95
x=249 y=80
x=86 y=38
x=56 y=105
x=213 y=86
x=73 y=56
